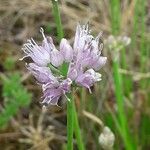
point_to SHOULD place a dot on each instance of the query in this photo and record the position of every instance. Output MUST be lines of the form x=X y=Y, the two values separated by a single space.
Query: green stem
x=60 y=34
x=115 y=16
x=127 y=82
x=120 y=104
x=70 y=123
x=77 y=129
x=115 y=19
x=57 y=19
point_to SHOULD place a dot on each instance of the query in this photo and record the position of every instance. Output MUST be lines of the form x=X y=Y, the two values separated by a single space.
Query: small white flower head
x=126 y=40
x=117 y=42
x=111 y=41
x=106 y=138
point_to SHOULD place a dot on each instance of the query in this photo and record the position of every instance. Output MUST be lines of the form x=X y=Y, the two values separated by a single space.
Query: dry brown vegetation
x=22 y=19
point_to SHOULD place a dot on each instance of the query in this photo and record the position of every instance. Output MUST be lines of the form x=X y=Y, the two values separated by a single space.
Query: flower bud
x=106 y=138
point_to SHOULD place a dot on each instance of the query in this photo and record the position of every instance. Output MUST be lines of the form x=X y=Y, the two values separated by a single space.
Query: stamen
x=23 y=58
x=66 y=96
x=89 y=90
x=32 y=40
x=44 y=108
x=101 y=46
x=26 y=51
x=29 y=41
x=42 y=32
x=99 y=36
x=28 y=48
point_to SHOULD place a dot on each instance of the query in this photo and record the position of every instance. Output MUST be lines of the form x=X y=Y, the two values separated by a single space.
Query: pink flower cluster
x=84 y=60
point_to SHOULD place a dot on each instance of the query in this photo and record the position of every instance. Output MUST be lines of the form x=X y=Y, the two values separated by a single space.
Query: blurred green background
x=121 y=100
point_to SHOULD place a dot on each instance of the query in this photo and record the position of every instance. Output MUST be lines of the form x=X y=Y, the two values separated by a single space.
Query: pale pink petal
x=56 y=58
x=66 y=50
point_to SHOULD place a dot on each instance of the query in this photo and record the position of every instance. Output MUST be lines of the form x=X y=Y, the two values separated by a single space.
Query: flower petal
x=56 y=58
x=99 y=63
x=42 y=74
x=88 y=78
x=53 y=91
x=66 y=50
x=66 y=84
x=72 y=72
x=37 y=53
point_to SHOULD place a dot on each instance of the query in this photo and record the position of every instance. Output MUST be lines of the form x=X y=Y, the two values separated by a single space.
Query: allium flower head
x=84 y=60
x=117 y=42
